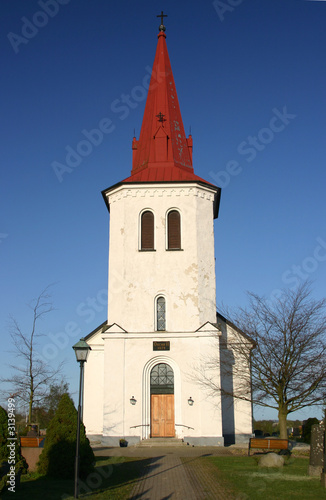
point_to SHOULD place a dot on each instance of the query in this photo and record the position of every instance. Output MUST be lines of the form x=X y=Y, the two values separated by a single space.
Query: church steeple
x=163 y=152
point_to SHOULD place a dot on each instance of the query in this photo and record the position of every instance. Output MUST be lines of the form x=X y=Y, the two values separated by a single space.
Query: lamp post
x=323 y=474
x=81 y=350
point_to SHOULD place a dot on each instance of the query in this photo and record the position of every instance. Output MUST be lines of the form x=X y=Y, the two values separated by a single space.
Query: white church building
x=140 y=377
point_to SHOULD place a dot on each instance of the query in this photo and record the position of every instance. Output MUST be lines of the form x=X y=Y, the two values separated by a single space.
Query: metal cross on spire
x=162 y=27
x=160 y=117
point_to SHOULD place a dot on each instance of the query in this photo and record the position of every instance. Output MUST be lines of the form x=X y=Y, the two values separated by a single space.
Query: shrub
x=3 y=434
x=24 y=431
x=58 y=456
x=4 y=442
x=19 y=461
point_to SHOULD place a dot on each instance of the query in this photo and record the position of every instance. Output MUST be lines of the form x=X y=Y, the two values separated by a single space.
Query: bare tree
x=33 y=377
x=44 y=413
x=288 y=364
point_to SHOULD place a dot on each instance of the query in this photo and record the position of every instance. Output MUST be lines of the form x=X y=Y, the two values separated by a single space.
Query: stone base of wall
x=243 y=438
x=237 y=439
x=95 y=438
x=204 y=441
x=114 y=441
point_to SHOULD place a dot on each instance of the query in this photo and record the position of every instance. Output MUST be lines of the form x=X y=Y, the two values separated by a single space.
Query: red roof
x=163 y=152
x=165 y=174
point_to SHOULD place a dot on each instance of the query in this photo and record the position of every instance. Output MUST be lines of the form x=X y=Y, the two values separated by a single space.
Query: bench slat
x=268 y=444
x=31 y=442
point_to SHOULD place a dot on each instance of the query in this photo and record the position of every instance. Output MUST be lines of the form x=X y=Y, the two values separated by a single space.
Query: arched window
x=160 y=314
x=174 y=233
x=147 y=231
x=162 y=379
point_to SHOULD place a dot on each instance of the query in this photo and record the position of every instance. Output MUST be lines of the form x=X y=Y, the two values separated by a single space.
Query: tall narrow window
x=147 y=231
x=160 y=314
x=174 y=236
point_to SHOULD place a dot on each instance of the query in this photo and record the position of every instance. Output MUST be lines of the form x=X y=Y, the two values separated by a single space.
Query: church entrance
x=162 y=401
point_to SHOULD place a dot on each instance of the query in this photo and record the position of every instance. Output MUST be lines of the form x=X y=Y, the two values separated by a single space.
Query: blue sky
x=251 y=81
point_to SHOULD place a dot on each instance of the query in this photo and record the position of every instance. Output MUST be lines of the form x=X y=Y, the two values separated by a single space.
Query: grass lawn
x=113 y=479
x=249 y=481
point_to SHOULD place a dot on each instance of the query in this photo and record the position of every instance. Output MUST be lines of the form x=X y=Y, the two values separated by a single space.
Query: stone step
x=160 y=442
x=94 y=442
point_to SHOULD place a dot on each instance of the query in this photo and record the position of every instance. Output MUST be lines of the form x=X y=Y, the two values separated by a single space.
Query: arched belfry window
x=160 y=314
x=174 y=230
x=162 y=379
x=147 y=230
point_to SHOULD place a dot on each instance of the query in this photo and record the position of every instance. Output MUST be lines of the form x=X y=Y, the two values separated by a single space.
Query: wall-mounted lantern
x=133 y=401
x=190 y=401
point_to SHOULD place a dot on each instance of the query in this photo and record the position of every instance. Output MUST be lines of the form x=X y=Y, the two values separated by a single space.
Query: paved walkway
x=178 y=472
x=170 y=477
x=165 y=478
x=175 y=473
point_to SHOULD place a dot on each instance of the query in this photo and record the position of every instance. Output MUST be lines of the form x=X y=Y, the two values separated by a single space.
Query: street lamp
x=81 y=350
x=323 y=474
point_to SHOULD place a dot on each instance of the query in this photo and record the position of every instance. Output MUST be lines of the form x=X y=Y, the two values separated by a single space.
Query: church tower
x=161 y=291
x=161 y=253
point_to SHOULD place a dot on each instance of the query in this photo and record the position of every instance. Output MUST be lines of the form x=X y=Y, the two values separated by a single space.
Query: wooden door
x=162 y=415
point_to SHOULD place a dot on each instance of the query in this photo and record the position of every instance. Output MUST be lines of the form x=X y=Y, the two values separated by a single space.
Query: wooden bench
x=30 y=442
x=268 y=444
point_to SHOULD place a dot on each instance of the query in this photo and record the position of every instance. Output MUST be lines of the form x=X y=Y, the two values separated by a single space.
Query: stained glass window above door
x=162 y=379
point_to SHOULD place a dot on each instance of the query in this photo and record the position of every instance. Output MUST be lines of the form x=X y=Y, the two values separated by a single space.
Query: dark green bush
x=24 y=431
x=19 y=461
x=4 y=442
x=3 y=434
x=58 y=456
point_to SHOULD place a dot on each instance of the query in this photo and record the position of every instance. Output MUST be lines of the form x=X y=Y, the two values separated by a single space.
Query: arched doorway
x=162 y=401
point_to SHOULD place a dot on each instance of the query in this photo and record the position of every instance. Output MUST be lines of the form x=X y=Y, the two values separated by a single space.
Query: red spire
x=162 y=142
x=162 y=153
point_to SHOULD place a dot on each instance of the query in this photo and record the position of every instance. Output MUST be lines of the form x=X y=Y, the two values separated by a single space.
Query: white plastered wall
x=186 y=278
x=129 y=359
x=236 y=379
x=94 y=386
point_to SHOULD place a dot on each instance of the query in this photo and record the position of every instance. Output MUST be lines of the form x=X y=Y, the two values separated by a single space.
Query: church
x=141 y=378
